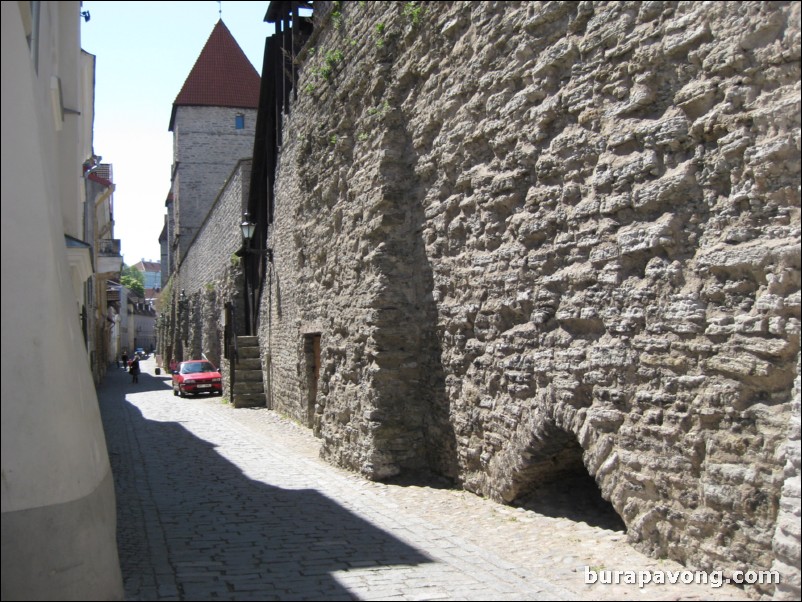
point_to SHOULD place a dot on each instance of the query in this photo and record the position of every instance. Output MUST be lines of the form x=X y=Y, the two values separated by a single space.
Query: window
x=30 y=13
x=239 y=121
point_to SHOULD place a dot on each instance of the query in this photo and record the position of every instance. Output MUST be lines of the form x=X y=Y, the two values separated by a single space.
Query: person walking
x=135 y=369
x=125 y=360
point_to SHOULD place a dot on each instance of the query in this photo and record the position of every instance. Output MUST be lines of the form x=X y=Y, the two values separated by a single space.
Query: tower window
x=239 y=121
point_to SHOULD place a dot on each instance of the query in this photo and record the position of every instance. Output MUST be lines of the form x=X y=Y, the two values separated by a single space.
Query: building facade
x=107 y=260
x=143 y=319
x=58 y=504
x=152 y=271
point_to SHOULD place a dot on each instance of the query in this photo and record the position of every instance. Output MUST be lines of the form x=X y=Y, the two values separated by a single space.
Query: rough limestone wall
x=210 y=276
x=347 y=267
x=536 y=234
x=789 y=521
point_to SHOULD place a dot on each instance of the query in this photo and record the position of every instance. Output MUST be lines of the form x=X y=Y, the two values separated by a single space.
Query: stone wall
x=786 y=537
x=206 y=145
x=209 y=276
x=535 y=236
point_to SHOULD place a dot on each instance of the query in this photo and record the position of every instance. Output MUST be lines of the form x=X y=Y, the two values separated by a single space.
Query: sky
x=145 y=51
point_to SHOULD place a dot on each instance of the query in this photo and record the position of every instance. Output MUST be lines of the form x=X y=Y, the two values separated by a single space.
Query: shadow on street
x=191 y=525
x=576 y=498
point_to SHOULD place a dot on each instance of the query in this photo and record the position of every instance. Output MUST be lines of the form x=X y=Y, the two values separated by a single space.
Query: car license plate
x=204 y=386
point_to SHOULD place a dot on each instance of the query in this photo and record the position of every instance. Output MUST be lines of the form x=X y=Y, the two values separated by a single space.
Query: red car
x=197 y=376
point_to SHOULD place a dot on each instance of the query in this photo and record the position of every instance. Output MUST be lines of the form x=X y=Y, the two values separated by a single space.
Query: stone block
x=647 y=236
x=676 y=186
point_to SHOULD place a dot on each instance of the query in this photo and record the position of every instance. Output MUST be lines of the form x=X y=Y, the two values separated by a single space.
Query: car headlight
x=189 y=381
x=217 y=380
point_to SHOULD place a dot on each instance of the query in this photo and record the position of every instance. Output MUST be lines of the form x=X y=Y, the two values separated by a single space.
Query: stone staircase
x=249 y=389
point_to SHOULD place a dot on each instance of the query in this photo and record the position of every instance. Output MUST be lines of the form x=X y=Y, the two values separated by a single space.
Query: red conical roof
x=222 y=76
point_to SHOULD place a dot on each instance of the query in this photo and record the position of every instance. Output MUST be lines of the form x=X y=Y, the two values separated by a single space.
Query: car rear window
x=196 y=367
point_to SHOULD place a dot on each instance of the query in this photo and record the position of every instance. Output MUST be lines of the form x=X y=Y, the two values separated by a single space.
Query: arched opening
x=553 y=481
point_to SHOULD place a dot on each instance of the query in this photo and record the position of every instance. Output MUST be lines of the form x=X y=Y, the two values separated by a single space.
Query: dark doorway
x=554 y=482
x=312 y=354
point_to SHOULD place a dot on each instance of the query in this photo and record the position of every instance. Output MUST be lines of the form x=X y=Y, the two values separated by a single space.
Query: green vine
x=413 y=11
x=380 y=29
x=337 y=16
x=380 y=110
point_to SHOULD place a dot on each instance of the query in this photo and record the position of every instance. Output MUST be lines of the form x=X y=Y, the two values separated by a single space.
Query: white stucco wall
x=54 y=461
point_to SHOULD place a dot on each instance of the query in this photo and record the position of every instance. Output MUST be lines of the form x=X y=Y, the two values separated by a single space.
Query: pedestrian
x=135 y=369
x=125 y=360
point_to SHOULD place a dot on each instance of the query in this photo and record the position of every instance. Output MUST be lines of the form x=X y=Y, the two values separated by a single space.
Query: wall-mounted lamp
x=248 y=228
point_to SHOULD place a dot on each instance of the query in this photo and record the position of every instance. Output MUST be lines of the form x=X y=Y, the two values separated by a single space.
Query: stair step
x=249 y=401
x=248 y=376
x=248 y=352
x=248 y=387
x=251 y=363
x=247 y=341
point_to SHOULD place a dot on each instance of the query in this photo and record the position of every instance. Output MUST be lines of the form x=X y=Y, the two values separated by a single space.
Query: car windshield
x=196 y=367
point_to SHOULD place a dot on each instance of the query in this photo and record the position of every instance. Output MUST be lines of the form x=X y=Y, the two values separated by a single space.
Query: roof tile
x=222 y=76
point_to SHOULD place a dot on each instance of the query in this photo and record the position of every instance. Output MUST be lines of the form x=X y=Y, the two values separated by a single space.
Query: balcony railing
x=108 y=260
x=109 y=246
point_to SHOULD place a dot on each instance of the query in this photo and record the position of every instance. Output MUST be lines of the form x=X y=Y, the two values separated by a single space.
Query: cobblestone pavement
x=218 y=503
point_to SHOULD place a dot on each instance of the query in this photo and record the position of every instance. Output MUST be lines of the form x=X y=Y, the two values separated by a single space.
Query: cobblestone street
x=218 y=503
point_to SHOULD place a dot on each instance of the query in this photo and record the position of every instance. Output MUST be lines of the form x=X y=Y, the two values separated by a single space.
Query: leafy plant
x=381 y=109
x=133 y=280
x=413 y=11
x=380 y=29
x=165 y=297
x=333 y=57
x=330 y=60
x=337 y=19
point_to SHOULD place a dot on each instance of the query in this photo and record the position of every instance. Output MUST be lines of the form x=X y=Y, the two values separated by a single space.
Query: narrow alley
x=222 y=504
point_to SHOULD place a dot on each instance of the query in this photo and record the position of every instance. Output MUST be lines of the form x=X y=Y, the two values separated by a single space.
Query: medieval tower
x=212 y=121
